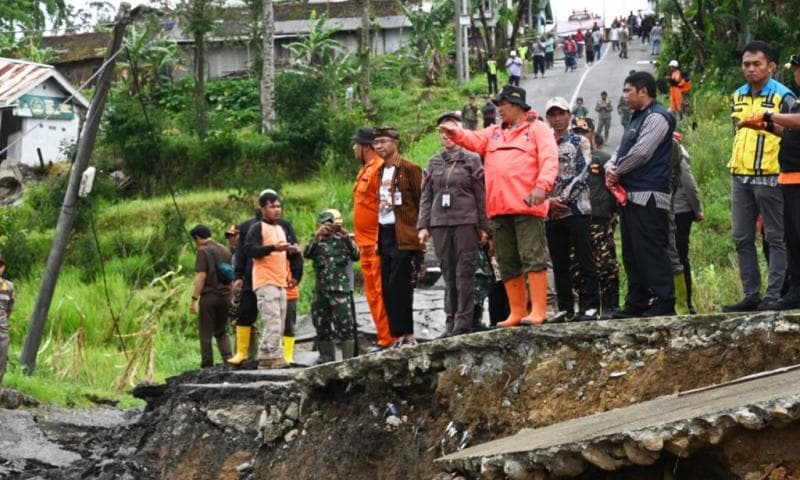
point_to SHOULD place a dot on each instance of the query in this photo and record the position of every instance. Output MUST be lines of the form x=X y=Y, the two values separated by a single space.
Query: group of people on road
x=487 y=220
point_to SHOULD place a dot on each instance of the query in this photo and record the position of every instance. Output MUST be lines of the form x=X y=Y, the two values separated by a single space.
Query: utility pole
x=69 y=208
x=462 y=21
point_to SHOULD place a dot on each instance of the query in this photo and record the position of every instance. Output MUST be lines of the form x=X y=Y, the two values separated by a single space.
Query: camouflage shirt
x=7 y=296
x=333 y=256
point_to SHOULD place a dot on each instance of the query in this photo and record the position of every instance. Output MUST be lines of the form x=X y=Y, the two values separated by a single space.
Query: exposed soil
x=389 y=416
x=454 y=408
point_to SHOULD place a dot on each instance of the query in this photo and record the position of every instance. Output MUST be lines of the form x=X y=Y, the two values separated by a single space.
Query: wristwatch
x=767 y=116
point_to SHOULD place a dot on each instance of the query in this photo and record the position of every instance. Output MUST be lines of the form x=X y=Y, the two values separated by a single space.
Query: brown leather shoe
x=272 y=363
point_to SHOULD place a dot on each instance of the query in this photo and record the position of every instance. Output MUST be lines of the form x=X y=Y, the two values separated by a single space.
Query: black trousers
x=248 y=308
x=397 y=283
x=492 y=79
x=562 y=236
x=791 y=232
x=499 y=309
x=513 y=80
x=538 y=64
x=645 y=240
x=683 y=228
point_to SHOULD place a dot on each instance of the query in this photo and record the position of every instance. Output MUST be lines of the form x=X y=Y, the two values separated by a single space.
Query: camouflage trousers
x=4 y=338
x=483 y=277
x=604 y=251
x=330 y=314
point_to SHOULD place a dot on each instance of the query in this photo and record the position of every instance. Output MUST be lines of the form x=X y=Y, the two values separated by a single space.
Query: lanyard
x=452 y=167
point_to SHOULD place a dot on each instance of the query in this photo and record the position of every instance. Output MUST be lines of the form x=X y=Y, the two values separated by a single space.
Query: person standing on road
x=514 y=68
x=641 y=166
x=516 y=204
x=604 y=221
x=567 y=226
x=267 y=244
x=539 y=56
x=213 y=294
x=787 y=123
x=333 y=252
x=7 y=298
x=246 y=332
x=603 y=109
x=623 y=42
x=452 y=210
x=623 y=110
x=579 y=110
x=589 y=48
x=614 y=37
x=365 y=227
x=755 y=167
x=597 y=43
x=400 y=251
x=549 y=49
x=581 y=41
x=656 y=34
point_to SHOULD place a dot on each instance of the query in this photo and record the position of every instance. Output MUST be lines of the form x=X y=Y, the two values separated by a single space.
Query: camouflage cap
x=337 y=215
x=387 y=131
x=325 y=217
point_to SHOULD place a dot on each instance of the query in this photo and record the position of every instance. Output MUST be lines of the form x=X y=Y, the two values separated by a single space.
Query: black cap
x=513 y=94
x=390 y=132
x=364 y=136
x=794 y=61
x=454 y=116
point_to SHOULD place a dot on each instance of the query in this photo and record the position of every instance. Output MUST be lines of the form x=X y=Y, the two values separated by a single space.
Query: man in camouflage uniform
x=624 y=112
x=483 y=279
x=333 y=253
x=7 y=298
x=603 y=223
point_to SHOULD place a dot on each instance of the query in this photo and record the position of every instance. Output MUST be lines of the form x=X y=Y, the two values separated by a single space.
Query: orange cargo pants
x=371 y=271
x=675 y=100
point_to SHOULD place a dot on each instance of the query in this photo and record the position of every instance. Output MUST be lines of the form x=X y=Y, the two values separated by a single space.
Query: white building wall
x=51 y=136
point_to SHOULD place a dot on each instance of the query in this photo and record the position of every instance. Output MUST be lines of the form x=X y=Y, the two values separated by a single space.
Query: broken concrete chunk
x=598 y=457
x=393 y=421
x=638 y=455
x=515 y=470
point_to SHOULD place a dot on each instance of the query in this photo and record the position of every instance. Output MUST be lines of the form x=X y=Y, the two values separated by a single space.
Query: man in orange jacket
x=521 y=164
x=365 y=228
x=679 y=87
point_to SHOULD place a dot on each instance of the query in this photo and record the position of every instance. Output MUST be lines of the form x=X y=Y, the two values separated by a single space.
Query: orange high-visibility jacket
x=516 y=161
x=365 y=201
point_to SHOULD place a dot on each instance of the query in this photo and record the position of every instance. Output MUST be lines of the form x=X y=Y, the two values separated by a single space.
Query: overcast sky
x=561 y=8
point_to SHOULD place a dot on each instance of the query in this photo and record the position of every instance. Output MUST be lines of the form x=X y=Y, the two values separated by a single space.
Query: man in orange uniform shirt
x=365 y=227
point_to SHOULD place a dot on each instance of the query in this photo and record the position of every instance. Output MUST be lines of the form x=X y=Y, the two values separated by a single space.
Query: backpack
x=224 y=270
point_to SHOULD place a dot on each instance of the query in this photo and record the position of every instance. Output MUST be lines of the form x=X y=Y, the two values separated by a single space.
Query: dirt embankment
x=388 y=416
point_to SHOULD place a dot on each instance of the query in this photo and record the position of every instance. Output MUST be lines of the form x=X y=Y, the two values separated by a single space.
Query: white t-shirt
x=385 y=210
x=614 y=34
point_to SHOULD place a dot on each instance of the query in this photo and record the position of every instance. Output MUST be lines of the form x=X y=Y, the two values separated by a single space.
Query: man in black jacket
x=243 y=285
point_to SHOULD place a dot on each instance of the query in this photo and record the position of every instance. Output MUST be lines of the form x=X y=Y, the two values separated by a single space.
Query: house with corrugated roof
x=78 y=56
x=40 y=113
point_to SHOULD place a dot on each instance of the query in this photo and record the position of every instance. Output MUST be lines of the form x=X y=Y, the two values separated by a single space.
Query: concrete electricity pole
x=462 y=23
x=69 y=208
